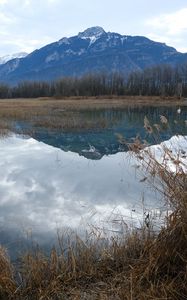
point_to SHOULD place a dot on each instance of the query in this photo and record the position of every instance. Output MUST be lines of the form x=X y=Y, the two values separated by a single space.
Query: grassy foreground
x=142 y=265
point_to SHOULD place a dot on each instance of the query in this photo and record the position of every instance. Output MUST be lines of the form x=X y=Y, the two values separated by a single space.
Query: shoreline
x=83 y=103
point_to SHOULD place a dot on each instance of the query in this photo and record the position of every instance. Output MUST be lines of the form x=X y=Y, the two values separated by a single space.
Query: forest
x=162 y=80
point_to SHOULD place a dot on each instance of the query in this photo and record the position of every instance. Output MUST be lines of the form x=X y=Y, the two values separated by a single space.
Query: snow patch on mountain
x=93 y=34
x=123 y=39
x=92 y=39
x=8 y=57
x=14 y=64
x=64 y=40
x=82 y=51
x=54 y=56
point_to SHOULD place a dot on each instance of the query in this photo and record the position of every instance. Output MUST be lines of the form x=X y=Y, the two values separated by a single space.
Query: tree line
x=163 y=80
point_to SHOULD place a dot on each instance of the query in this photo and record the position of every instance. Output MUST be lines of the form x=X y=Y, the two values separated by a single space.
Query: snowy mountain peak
x=91 y=32
x=6 y=58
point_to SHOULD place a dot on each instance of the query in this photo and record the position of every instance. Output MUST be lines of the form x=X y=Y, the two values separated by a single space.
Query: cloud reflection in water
x=44 y=188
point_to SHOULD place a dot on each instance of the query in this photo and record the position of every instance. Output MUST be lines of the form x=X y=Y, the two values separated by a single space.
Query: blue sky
x=29 y=24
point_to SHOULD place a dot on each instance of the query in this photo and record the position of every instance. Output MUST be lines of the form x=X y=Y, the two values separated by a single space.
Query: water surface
x=80 y=178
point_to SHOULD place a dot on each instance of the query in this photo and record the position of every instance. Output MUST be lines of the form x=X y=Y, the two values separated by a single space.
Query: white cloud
x=168 y=40
x=172 y=24
x=53 y=1
x=169 y=28
x=5 y=19
x=19 y=42
x=3 y=2
x=27 y=2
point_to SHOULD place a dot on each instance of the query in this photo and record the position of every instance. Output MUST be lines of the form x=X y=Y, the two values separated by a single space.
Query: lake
x=80 y=179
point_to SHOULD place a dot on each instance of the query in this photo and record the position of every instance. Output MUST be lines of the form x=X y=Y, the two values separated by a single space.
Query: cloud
x=5 y=19
x=170 y=28
x=3 y=2
x=26 y=44
x=52 y=1
x=172 y=24
x=23 y=25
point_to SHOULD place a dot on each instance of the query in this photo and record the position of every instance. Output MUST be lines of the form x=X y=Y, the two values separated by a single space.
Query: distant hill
x=93 y=50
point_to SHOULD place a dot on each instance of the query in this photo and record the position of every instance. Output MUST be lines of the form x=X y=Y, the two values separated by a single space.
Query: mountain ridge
x=91 y=51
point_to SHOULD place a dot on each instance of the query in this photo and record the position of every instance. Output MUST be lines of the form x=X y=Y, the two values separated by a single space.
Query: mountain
x=92 y=50
x=8 y=57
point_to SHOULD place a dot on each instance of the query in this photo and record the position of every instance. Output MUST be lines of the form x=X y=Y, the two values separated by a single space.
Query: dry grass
x=7 y=282
x=46 y=114
x=97 y=270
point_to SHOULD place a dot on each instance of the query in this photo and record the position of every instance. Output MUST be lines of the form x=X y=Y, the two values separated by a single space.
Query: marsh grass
x=99 y=270
x=50 y=114
x=67 y=113
x=7 y=282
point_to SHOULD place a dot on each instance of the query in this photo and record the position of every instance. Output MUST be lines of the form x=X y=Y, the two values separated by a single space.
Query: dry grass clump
x=5 y=128
x=96 y=270
x=162 y=271
x=7 y=282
